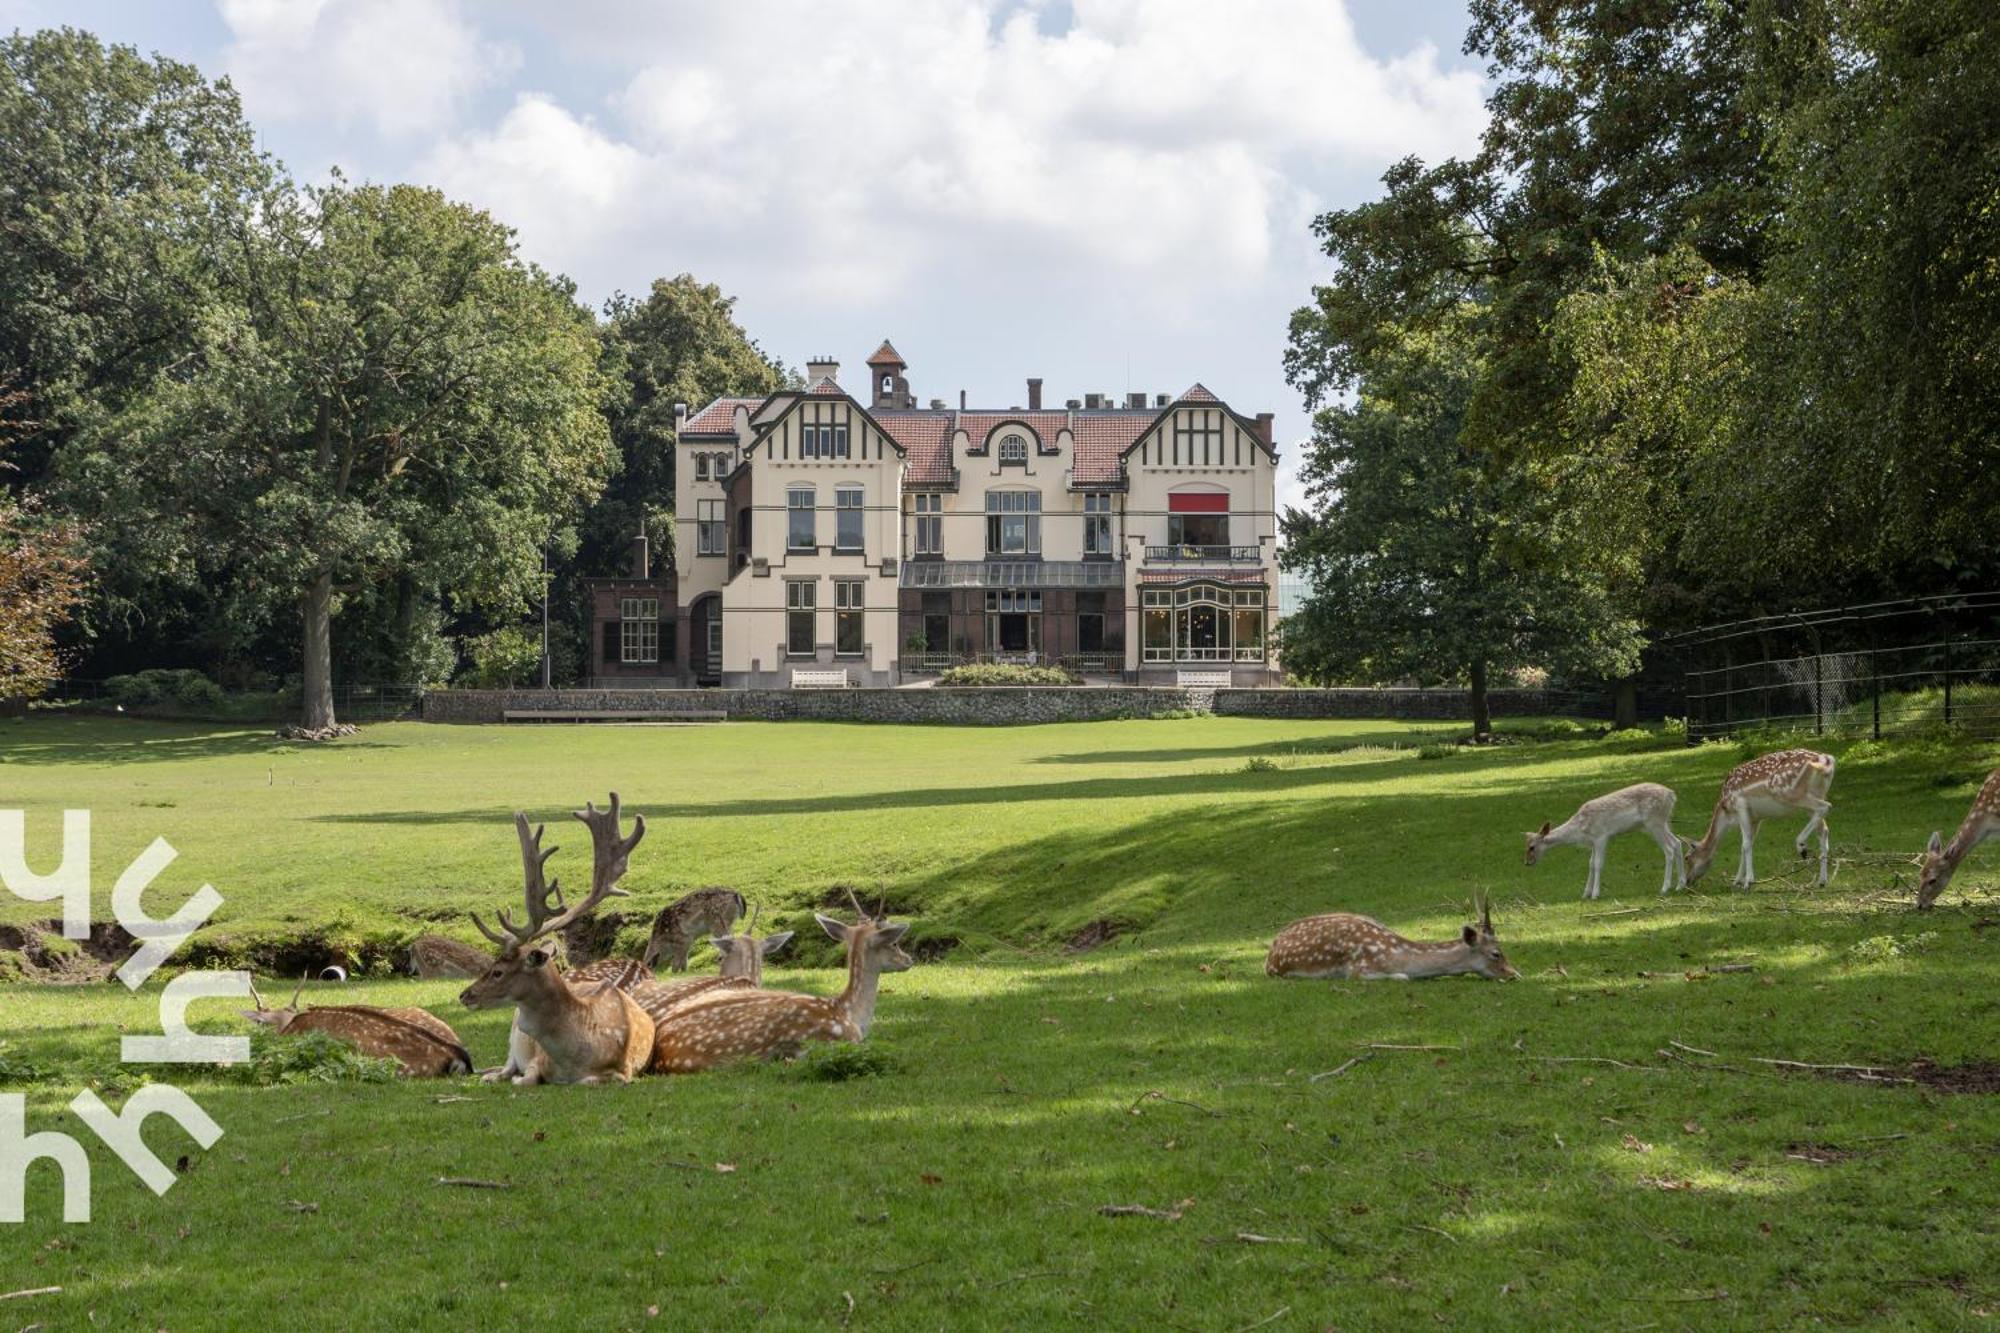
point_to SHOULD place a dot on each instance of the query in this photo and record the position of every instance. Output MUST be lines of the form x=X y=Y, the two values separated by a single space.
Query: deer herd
x=614 y=1020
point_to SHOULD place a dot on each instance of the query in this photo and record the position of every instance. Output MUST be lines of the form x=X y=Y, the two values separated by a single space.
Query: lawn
x=1551 y=1164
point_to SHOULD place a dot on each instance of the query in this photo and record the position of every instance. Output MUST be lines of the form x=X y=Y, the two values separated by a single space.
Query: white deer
x=1941 y=859
x=1783 y=783
x=1644 y=805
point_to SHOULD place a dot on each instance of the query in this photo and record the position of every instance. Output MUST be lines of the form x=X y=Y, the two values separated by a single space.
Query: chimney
x=1093 y=401
x=822 y=368
x=961 y=400
x=642 y=555
x=1264 y=420
x=937 y=404
x=1034 y=395
x=1072 y=403
x=1135 y=400
x=680 y=418
x=1161 y=400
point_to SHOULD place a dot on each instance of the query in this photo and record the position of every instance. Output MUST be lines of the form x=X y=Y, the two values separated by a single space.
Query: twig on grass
x=1139 y=1210
x=30 y=1291
x=1436 y=1231
x=847 y=1296
x=1252 y=1238
x=465 y=1183
x=1623 y=911
x=1691 y=1050
x=1157 y=1096
x=1730 y=967
x=891 y=1272
x=1336 y=1073
x=1388 y=1046
x=1267 y=1319
x=298 y=1207
x=447 y=1101
x=1595 y=1060
x=303 y=1115
x=1024 y=1277
x=1800 y=1064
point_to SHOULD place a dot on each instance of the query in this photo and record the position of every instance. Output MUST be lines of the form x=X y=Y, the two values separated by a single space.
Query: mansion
x=820 y=533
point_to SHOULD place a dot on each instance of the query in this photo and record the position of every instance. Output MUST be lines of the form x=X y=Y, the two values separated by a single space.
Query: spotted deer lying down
x=434 y=957
x=1341 y=946
x=421 y=1044
x=731 y=1025
x=586 y=1033
x=742 y=969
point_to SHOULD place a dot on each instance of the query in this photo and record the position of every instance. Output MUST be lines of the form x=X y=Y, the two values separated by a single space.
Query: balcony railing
x=1204 y=555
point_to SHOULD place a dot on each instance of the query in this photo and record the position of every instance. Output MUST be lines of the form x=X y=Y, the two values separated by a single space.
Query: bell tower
x=885 y=374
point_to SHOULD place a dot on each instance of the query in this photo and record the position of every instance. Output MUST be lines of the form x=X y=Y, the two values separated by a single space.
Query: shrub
x=837 y=1062
x=999 y=673
x=164 y=689
x=501 y=658
x=1436 y=751
x=1259 y=764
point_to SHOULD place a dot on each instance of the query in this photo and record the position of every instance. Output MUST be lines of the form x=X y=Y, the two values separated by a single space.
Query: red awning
x=1182 y=502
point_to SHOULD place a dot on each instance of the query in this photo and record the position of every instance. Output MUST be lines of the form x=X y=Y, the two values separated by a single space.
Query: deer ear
x=1545 y=829
x=773 y=943
x=1470 y=935
x=1936 y=844
x=892 y=933
x=837 y=929
x=538 y=958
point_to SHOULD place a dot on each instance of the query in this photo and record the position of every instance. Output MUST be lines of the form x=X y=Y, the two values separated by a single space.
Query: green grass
x=1517 y=1179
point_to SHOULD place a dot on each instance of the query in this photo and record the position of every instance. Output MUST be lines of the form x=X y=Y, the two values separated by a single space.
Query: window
x=1204 y=623
x=1250 y=625
x=1013 y=449
x=823 y=441
x=715 y=639
x=1014 y=620
x=808 y=441
x=801 y=601
x=1096 y=631
x=701 y=467
x=639 y=629
x=888 y=383
x=937 y=622
x=710 y=530
x=801 y=532
x=847 y=512
x=1013 y=522
x=930 y=525
x=1197 y=529
x=1097 y=523
x=839 y=449
x=848 y=595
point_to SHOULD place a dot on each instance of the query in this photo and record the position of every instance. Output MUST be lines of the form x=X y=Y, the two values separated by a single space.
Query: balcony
x=1204 y=555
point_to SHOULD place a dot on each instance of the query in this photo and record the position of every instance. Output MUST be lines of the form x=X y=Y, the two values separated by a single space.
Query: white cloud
x=401 y=66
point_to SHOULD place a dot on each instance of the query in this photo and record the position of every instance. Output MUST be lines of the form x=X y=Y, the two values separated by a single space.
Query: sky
x=1112 y=195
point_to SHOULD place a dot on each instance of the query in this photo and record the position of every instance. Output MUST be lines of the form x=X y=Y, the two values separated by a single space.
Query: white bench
x=1202 y=680
x=827 y=679
x=610 y=715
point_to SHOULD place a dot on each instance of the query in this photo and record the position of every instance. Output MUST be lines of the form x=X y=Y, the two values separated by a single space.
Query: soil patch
x=37 y=951
x=1098 y=932
x=1975 y=1076
x=932 y=948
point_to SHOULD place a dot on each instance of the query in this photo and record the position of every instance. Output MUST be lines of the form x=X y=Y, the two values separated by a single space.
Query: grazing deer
x=422 y=1044
x=1645 y=805
x=742 y=969
x=583 y=1034
x=1341 y=946
x=730 y=1025
x=1941 y=859
x=680 y=923
x=1766 y=787
x=436 y=957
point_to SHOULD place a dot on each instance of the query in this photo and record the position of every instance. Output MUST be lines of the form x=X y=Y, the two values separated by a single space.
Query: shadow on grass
x=89 y=741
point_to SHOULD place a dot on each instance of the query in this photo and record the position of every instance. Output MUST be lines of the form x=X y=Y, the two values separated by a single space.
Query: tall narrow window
x=1013 y=522
x=847 y=512
x=1097 y=523
x=1090 y=622
x=930 y=524
x=801 y=602
x=710 y=533
x=701 y=467
x=801 y=532
x=809 y=441
x=848 y=596
x=839 y=448
x=639 y=629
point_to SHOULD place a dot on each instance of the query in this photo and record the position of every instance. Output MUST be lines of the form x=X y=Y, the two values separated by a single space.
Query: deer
x=435 y=957
x=680 y=923
x=1941 y=858
x=1644 y=805
x=1343 y=946
x=422 y=1044
x=583 y=1033
x=730 y=1025
x=742 y=969
x=1771 y=785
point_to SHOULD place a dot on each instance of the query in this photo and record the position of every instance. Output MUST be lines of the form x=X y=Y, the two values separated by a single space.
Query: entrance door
x=705 y=652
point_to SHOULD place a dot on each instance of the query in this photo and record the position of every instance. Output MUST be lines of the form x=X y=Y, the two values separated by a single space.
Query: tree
x=383 y=391
x=1424 y=558
x=42 y=577
x=681 y=344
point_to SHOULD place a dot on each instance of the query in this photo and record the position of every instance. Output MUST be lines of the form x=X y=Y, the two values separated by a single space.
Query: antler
x=610 y=856
x=543 y=899
x=300 y=990
x=859 y=910
x=751 y=929
x=1484 y=902
x=261 y=1006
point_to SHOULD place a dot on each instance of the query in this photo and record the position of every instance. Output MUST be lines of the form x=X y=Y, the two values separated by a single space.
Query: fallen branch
x=1157 y=1096
x=30 y=1291
x=447 y=1101
x=1436 y=1231
x=1252 y=1238
x=1730 y=967
x=464 y=1183
x=1387 y=1046
x=1800 y=1064
x=1623 y=911
x=847 y=1296
x=1139 y=1210
x=1336 y=1073
x=1267 y=1319
x=298 y=1207
x=1691 y=1050
x=303 y=1115
x=1594 y=1060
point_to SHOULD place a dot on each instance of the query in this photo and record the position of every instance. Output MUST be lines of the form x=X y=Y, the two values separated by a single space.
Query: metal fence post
x=1875 y=676
x=1819 y=694
x=1947 y=682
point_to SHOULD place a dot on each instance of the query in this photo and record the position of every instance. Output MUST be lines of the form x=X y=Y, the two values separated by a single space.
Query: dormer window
x=1013 y=449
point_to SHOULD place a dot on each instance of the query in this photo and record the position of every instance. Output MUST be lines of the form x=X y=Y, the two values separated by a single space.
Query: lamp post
x=545 y=614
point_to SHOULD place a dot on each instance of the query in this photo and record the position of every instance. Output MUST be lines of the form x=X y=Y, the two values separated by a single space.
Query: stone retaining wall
x=991 y=706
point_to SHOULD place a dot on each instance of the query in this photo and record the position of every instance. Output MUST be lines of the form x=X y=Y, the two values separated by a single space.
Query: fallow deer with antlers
x=1941 y=858
x=1772 y=785
x=1644 y=805
x=582 y=1033
x=742 y=969
x=731 y=1025
x=1341 y=946
x=422 y=1044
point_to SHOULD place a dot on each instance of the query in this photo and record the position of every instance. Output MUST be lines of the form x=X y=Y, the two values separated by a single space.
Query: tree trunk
x=1625 y=704
x=1482 y=713
x=317 y=670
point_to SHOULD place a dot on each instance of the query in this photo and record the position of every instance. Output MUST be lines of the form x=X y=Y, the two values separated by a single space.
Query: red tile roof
x=825 y=388
x=1100 y=438
x=926 y=441
x=1198 y=394
x=886 y=355
x=719 y=417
